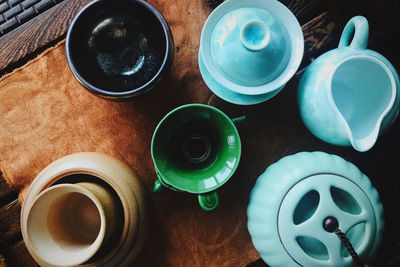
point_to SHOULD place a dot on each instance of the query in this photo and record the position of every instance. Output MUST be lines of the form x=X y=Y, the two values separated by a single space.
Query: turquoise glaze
x=249 y=50
x=230 y=96
x=293 y=197
x=349 y=95
x=250 y=46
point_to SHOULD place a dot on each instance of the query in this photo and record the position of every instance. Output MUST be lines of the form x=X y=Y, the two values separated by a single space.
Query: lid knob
x=255 y=35
x=330 y=224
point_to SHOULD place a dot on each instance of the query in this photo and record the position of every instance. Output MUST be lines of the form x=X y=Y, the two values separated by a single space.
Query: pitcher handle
x=208 y=201
x=358 y=25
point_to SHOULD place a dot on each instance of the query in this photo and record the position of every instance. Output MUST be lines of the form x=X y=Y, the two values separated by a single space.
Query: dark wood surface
x=22 y=44
x=322 y=22
x=14 y=13
x=12 y=248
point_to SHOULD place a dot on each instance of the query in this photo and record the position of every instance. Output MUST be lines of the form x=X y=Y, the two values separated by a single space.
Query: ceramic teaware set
x=249 y=50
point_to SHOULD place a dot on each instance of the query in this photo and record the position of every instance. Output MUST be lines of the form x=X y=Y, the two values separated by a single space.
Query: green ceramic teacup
x=195 y=148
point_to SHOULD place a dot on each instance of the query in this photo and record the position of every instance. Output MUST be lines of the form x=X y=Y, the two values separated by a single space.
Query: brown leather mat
x=45 y=114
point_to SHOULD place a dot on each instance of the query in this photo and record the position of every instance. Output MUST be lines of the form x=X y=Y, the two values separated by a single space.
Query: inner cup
x=193 y=144
x=73 y=221
x=255 y=35
x=362 y=90
x=66 y=225
x=196 y=148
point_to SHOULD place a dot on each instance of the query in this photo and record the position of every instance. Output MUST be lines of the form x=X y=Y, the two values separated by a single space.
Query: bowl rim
x=168 y=54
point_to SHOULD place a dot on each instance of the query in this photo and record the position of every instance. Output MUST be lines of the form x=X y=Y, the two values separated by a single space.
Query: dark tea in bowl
x=119 y=49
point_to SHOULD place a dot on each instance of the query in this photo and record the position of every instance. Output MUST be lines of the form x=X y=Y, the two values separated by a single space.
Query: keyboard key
x=4 y=6
x=14 y=2
x=9 y=25
x=26 y=15
x=43 y=5
x=12 y=12
x=28 y=3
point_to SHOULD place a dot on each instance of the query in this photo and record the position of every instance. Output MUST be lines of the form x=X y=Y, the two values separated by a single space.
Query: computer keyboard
x=14 y=13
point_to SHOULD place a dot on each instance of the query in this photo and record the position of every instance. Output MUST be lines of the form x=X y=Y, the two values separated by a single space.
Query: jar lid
x=293 y=201
x=250 y=46
x=309 y=203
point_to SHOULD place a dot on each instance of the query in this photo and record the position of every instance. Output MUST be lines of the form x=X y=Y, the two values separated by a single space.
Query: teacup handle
x=208 y=201
x=358 y=25
x=238 y=119
x=159 y=187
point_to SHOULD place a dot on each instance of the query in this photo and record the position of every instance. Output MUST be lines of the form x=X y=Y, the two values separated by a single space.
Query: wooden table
x=322 y=22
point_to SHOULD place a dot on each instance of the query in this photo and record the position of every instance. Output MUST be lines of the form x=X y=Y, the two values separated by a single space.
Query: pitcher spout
x=363 y=92
x=363 y=144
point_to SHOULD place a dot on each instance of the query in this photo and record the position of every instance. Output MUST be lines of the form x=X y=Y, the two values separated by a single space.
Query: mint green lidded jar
x=249 y=50
x=292 y=200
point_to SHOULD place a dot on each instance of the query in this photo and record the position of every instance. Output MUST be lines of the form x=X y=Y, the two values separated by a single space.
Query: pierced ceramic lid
x=292 y=201
x=311 y=201
x=250 y=46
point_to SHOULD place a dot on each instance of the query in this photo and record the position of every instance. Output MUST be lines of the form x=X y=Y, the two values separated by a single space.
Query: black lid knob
x=330 y=224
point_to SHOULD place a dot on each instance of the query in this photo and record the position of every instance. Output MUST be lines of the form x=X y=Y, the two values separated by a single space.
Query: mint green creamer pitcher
x=350 y=94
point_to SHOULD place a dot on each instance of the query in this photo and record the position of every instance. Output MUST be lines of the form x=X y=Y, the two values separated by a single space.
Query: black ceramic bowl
x=119 y=49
